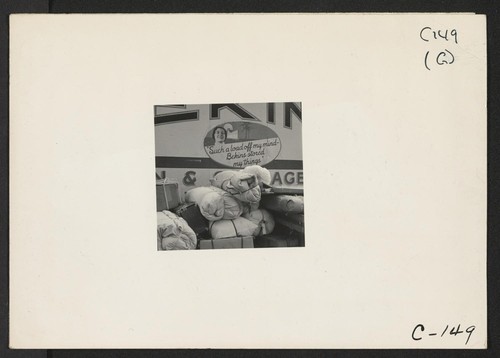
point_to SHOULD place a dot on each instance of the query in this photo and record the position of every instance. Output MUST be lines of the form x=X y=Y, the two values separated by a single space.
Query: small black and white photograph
x=229 y=176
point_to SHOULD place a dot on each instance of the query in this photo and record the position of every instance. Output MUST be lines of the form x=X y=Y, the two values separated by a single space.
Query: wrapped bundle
x=173 y=233
x=262 y=174
x=233 y=208
x=263 y=219
x=284 y=203
x=233 y=228
x=243 y=186
x=210 y=203
x=249 y=207
x=297 y=218
x=214 y=203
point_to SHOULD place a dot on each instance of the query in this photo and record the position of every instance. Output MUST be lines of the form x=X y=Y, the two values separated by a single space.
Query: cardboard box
x=167 y=195
x=244 y=242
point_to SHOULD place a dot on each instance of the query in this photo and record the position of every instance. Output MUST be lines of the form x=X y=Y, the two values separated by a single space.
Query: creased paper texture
x=394 y=153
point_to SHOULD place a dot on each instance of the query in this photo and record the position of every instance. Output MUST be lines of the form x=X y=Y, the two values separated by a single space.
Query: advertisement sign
x=239 y=144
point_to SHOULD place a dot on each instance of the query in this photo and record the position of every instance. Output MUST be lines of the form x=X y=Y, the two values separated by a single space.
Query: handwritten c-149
x=420 y=332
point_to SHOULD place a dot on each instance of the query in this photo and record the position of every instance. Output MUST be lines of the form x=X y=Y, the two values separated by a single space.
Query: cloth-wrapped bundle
x=249 y=207
x=210 y=203
x=284 y=203
x=231 y=228
x=242 y=185
x=173 y=232
x=233 y=208
x=262 y=174
x=214 y=203
x=263 y=219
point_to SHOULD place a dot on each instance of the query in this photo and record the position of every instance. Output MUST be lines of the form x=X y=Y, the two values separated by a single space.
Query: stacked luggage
x=239 y=210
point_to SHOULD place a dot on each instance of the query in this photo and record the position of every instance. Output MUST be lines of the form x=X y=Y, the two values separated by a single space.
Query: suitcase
x=167 y=195
x=244 y=242
x=191 y=213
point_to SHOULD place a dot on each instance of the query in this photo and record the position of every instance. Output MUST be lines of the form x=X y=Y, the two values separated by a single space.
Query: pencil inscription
x=443 y=56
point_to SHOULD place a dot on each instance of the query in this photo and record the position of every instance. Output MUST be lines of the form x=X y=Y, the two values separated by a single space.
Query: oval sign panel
x=240 y=144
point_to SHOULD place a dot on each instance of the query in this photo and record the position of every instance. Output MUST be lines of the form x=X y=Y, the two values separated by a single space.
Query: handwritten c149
x=445 y=56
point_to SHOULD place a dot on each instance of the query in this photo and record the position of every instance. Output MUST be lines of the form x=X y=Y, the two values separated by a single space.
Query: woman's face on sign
x=220 y=135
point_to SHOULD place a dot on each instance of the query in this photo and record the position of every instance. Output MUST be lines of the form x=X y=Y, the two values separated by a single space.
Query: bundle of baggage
x=225 y=214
